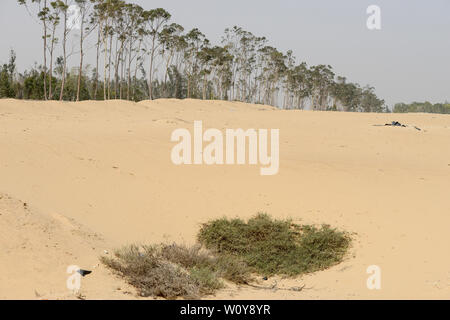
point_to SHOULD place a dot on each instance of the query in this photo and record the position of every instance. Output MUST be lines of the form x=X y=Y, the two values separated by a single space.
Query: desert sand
x=77 y=179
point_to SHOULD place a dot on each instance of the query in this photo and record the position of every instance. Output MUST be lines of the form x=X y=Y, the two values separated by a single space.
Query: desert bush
x=272 y=246
x=144 y=269
x=172 y=271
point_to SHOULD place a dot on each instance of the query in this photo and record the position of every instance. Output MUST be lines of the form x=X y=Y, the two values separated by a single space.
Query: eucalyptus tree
x=97 y=59
x=370 y=102
x=266 y=76
x=231 y=40
x=257 y=63
x=132 y=24
x=215 y=69
x=119 y=29
x=134 y=33
x=245 y=49
x=205 y=57
x=288 y=95
x=171 y=40
x=140 y=58
x=53 y=19
x=62 y=7
x=97 y=18
x=175 y=73
x=155 y=20
x=259 y=72
x=274 y=68
x=109 y=10
x=84 y=7
x=299 y=85
x=278 y=69
x=322 y=79
x=101 y=18
x=346 y=94
x=195 y=41
x=104 y=16
x=221 y=67
x=337 y=90
x=43 y=11
x=246 y=59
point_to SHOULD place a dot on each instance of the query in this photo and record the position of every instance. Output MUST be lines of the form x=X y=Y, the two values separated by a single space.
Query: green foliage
x=206 y=279
x=275 y=246
x=70 y=87
x=7 y=85
x=356 y=99
x=33 y=87
x=426 y=107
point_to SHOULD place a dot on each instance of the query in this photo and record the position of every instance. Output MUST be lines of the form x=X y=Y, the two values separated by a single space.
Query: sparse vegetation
x=271 y=246
x=229 y=250
x=426 y=107
x=171 y=271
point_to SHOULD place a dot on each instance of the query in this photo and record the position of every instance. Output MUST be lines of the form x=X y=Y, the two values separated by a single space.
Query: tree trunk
x=105 y=55
x=97 y=61
x=81 y=59
x=63 y=81
x=204 y=86
x=45 y=53
x=150 y=84
x=189 y=87
x=109 y=67
x=135 y=71
x=50 y=93
x=169 y=61
x=116 y=70
x=129 y=69
x=122 y=60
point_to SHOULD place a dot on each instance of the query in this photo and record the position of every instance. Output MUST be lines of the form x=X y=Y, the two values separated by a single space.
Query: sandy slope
x=104 y=168
x=36 y=249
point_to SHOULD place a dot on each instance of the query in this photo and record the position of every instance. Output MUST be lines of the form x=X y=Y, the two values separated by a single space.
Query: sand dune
x=98 y=175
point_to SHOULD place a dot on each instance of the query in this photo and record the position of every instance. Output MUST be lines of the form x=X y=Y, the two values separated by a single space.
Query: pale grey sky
x=407 y=60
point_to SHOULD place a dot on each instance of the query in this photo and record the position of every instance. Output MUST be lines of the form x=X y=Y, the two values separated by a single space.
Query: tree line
x=142 y=54
x=426 y=107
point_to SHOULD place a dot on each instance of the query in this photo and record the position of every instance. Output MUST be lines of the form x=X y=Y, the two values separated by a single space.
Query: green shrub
x=271 y=246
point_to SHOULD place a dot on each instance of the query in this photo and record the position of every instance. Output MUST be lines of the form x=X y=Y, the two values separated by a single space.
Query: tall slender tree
x=43 y=11
x=63 y=7
x=85 y=29
x=155 y=20
x=54 y=20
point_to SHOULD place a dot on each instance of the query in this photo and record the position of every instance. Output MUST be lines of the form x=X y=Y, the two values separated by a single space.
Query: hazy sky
x=407 y=60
